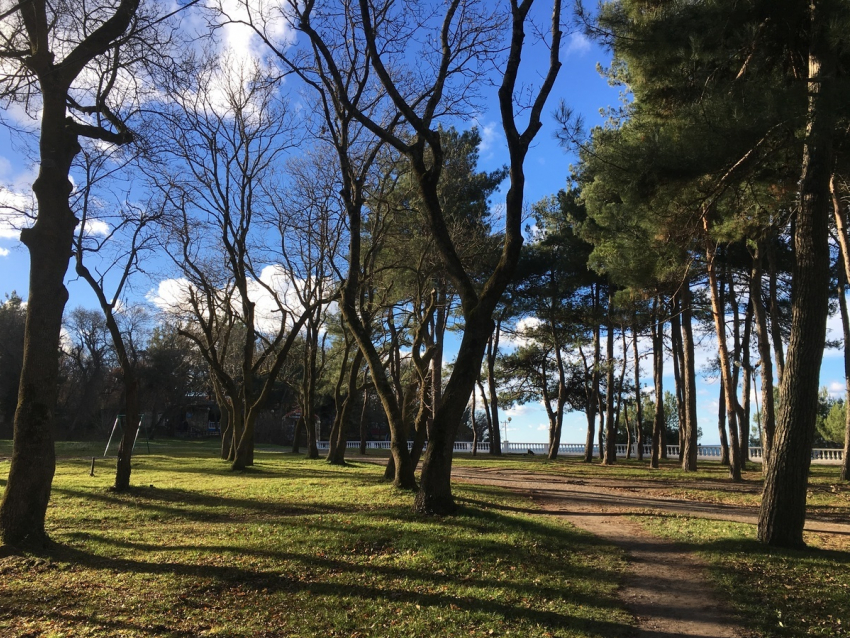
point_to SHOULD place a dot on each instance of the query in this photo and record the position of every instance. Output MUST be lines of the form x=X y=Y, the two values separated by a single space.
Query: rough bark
x=783 y=508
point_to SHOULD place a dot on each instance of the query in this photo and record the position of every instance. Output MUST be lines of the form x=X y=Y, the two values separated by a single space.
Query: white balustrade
x=705 y=452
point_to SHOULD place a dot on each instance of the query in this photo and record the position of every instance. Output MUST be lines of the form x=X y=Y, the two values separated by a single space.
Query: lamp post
x=505 y=438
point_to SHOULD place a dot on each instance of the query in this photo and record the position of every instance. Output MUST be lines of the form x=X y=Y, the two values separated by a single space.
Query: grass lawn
x=297 y=548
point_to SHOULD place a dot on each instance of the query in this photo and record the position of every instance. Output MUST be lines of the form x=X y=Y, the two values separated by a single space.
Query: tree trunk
x=730 y=397
x=296 y=435
x=49 y=244
x=783 y=507
x=744 y=417
x=363 y=420
x=658 y=423
x=610 y=454
x=721 y=424
x=337 y=456
x=844 y=275
x=435 y=496
x=845 y=326
x=628 y=431
x=593 y=397
x=492 y=352
x=638 y=397
x=600 y=433
x=775 y=324
x=245 y=448
x=768 y=419
x=678 y=374
x=128 y=436
x=689 y=458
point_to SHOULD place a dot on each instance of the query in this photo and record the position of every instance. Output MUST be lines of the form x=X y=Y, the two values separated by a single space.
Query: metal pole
x=114 y=425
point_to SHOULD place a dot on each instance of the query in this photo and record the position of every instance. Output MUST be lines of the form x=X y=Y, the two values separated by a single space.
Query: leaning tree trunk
x=730 y=399
x=783 y=508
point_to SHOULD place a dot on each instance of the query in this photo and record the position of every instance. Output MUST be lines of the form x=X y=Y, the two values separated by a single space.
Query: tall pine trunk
x=783 y=507
x=638 y=397
x=658 y=422
x=689 y=457
x=610 y=454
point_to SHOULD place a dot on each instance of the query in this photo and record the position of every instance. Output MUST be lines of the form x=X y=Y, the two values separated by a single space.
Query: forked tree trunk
x=783 y=507
x=435 y=495
x=336 y=456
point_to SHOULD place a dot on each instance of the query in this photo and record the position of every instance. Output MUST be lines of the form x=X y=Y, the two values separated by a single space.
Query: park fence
x=822 y=456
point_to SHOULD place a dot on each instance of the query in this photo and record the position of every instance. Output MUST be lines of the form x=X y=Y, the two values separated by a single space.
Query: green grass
x=779 y=592
x=298 y=548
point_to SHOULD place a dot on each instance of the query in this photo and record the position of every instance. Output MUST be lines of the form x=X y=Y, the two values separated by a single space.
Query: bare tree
x=128 y=239
x=226 y=136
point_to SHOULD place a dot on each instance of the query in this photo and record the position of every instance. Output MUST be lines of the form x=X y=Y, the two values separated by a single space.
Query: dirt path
x=665 y=587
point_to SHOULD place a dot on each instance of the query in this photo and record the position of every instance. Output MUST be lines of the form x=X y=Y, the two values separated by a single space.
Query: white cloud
x=96 y=227
x=14 y=206
x=578 y=43
x=4 y=252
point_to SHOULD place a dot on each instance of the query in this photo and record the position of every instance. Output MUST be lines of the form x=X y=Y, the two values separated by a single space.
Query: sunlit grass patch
x=299 y=548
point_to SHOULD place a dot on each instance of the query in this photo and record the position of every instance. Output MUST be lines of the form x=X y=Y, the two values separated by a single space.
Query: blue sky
x=586 y=92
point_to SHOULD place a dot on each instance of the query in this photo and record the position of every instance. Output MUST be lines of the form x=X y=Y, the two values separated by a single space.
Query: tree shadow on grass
x=260 y=582
x=198 y=506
